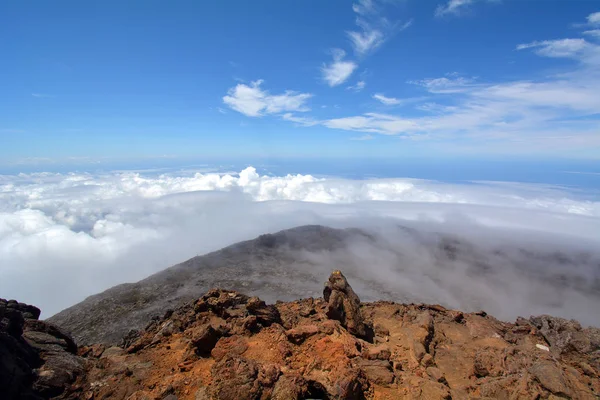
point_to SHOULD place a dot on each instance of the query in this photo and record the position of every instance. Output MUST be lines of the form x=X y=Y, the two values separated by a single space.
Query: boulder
x=344 y=305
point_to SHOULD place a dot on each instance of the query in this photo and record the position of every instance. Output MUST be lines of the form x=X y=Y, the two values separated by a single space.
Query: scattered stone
x=542 y=347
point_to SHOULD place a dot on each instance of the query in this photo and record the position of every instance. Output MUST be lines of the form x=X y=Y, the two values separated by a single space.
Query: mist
x=508 y=249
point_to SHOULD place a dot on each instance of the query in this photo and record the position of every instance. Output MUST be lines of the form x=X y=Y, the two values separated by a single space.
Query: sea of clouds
x=66 y=236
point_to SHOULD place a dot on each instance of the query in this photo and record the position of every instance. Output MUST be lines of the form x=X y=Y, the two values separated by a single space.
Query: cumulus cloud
x=388 y=101
x=594 y=18
x=94 y=231
x=255 y=102
x=339 y=70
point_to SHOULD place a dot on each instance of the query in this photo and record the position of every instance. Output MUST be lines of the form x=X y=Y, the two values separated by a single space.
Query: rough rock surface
x=226 y=345
x=37 y=360
x=344 y=305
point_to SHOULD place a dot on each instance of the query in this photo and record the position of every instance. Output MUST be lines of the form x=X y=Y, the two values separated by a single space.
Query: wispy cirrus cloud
x=41 y=95
x=451 y=83
x=570 y=48
x=457 y=7
x=555 y=113
x=304 y=121
x=253 y=101
x=593 y=33
x=374 y=28
x=360 y=85
x=373 y=123
x=388 y=101
x=339 y=70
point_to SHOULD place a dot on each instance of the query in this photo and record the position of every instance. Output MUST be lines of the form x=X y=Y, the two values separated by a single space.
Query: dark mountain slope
x=399 y=264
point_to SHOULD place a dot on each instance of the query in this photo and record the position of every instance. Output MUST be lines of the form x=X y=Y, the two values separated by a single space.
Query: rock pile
x=227 y=346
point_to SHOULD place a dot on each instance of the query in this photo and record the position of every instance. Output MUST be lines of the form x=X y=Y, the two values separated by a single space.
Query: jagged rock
x=301 y=333
x=266 y=315
x=129 y=338
x=380 y=352
x=26 y=310
x=17 y=359
x=351 y=385
x=229 y=347
x=205 y=340
x=235 y=379
x=344 y=305
x=550 y=376
x=566 y=335
x=290 y=388
x=378 y=371
x=37 y=360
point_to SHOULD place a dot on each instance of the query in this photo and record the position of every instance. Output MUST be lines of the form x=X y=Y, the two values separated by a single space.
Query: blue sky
x=234 y=79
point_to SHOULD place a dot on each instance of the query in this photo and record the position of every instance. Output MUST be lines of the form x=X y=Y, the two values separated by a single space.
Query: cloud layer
x=66 y=236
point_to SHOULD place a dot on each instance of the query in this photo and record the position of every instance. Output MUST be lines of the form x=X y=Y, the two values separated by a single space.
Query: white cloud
x=557 y=48
x=373 y=27
x=41 y=95
x=448 y=84
x=255 y=102
x=457 y=7
x=360 y=85
x=100 y=230
x=593 y=33
x=364 y=7
x=452 y=7
x=304 y=121
x=366 y=41
x=553 y=114
x=594 y=18
x=338 y=71
x=388 y=101
x=373 y=122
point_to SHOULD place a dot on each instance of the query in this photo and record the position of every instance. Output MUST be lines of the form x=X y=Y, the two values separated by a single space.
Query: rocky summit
x=226 y=345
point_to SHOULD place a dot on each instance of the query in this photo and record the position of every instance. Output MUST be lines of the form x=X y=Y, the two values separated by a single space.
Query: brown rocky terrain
x=226 y=345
